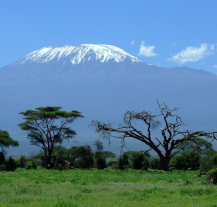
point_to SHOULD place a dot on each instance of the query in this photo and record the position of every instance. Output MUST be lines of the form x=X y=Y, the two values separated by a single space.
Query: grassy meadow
x=71 y=188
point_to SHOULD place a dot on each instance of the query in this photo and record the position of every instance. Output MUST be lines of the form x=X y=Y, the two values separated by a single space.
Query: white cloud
x=173 y=44
x=214 y=66
x=147 y=51
x=132 y=43
x=193 y=54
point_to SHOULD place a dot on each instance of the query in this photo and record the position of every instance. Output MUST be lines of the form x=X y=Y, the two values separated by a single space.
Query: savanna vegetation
x=184 y=172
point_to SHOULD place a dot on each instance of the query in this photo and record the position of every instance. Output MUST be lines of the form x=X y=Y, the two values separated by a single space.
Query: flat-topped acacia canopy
x=47 y=126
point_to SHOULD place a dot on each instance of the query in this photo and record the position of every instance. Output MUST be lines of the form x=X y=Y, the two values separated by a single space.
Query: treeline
x=84 y=157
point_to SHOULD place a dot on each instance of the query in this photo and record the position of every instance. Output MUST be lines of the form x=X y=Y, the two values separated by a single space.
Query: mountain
x=103 y=82
x=55 y=63
x=78 y=54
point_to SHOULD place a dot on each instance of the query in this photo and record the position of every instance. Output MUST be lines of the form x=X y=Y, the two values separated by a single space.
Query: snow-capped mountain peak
x=78 y=54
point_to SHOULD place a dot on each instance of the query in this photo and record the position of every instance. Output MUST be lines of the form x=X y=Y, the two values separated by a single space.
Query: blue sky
x=165 y=33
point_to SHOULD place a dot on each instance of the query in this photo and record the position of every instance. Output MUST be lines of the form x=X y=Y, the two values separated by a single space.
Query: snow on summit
x=79 y=54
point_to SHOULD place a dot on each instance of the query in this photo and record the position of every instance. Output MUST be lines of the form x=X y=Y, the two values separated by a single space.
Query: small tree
x=163 y=147
x=43 y=131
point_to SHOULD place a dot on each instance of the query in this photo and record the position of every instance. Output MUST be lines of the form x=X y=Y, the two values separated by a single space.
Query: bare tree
x=166 y=147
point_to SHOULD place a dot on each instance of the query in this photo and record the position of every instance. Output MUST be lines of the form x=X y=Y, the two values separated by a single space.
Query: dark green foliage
x=23 y=161
x=62 y=152
x=31 y=165
x=43 y=130
x=112 y=162
x=28 y=165
x=60 y=167
x=114 y=166
x=6 y=140
x=85 y=161
x=123 y=162
x=108 y=154
x=212 y=176
x=34 y=165
x=145 y=164
x=208 y=163
x=139 y=161
x=156 y=163
x=10 y=164
x=187 y=159
x=2 y=158
x=2 y=167
x=136 y=160
x=100 y=162
x=198 y=144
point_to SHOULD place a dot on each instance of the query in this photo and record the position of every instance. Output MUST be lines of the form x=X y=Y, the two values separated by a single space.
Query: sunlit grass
x=104 y=188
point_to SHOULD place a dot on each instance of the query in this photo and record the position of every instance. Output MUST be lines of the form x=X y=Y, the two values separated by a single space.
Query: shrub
x=137 y=159
x=10 y=164
x=155 y=163
x=2 y=158
x=123 y=162
x=145 y=164
x=2 y=167
x=23 y=161
x=60 y=167
x=34 y=165
x=208 y=163
x=112 y=162
x=187 y=159
x=212 y=176
x=114 y=166
x=29 y=165
x=101 y=162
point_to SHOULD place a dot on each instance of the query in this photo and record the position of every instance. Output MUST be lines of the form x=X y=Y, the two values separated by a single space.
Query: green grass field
x=70 y=188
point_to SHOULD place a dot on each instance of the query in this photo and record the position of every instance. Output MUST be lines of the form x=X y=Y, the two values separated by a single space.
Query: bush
x=2 y=158
x=139 y=161
x=10 y=164
x=187 y=159
x=29 y=165
x=101 y=162
x=85 y=160
x=208 y=163
x=212 y=176
x=112 y=162
x=123 y=162
x=136 y=160
x=60 y=167
x=145 y=164
x=114 y=166
x=155 y=163
x=23 y=161
x=2 y=167
x=34 y=165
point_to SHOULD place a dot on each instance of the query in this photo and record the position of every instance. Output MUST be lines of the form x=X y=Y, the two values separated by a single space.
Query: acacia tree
x=43 y=131
x=6 y=140
x=163 y=147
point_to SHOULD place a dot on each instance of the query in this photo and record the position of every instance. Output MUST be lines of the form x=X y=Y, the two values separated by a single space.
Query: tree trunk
x=165 y=163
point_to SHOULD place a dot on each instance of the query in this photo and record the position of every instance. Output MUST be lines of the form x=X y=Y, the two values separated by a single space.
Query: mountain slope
x=103 y=84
